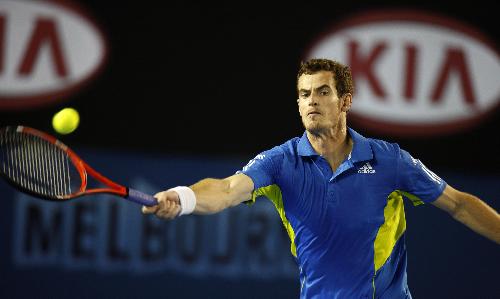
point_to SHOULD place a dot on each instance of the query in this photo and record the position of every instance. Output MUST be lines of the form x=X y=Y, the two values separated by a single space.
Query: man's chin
x=314 y=129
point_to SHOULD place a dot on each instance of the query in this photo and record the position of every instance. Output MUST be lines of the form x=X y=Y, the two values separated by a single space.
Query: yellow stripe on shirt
x=273 y=193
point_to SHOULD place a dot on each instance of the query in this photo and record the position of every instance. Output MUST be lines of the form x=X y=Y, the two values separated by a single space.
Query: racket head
x=40 y=165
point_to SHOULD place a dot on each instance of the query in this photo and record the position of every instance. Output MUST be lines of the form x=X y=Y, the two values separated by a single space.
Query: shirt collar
x=305 y=148
x=361 y=151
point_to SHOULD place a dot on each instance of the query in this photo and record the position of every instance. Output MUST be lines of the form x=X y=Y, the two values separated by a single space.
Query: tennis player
x=339 y=195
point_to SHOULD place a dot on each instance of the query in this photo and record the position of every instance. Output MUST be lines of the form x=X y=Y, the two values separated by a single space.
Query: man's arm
x=471 y=211
x=212 y=196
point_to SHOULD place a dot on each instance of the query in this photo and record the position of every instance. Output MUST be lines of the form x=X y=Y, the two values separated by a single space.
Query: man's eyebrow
x=322 y=86
x=317 y=88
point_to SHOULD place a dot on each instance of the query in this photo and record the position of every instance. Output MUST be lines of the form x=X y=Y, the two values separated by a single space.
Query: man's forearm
x=208 y=196
x=213 y=195
x=478 y=216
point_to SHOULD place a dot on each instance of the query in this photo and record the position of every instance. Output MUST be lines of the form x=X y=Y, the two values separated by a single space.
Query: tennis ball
x=66 y=121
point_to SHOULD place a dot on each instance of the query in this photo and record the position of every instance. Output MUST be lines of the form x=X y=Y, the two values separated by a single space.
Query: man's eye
x=303 y=95
x=324 y=92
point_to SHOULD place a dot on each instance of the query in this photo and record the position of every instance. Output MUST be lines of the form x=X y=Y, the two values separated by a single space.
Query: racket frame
x=81 y=166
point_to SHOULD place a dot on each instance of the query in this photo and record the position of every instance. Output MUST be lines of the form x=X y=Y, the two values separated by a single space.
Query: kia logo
x=415 y=73
x=48 y=51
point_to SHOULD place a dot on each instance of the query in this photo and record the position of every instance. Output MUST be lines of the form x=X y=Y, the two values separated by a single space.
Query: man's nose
x=313 y=100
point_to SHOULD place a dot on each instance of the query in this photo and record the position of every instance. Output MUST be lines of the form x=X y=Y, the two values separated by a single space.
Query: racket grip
x=141 y=198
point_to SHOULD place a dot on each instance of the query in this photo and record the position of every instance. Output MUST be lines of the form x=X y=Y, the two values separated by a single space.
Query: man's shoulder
x=377 y=147
x=290 y=144
x=285 y=148
x=383 y=147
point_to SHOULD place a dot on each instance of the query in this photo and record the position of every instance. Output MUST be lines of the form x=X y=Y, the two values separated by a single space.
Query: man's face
x=319 y=105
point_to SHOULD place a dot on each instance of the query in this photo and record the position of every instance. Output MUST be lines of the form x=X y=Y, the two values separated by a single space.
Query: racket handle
x=141 y=198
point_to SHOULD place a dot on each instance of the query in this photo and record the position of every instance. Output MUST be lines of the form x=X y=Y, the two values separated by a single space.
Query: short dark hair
x=342 y=73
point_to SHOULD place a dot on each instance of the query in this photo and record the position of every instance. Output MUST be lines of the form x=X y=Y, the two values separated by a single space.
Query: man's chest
x=351 y=198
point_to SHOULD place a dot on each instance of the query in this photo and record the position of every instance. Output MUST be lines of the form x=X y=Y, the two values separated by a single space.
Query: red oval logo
x=416 y=73
x=48 y=51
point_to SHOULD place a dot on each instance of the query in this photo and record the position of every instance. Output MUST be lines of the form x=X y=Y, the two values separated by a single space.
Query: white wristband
x=187 y=199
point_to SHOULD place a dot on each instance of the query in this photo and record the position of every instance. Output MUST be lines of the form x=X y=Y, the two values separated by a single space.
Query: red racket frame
x=82 y=167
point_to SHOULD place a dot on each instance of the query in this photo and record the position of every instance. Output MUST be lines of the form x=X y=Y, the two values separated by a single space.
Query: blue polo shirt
x=347 y=228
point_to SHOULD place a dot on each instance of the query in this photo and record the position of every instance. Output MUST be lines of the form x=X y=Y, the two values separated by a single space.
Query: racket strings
x=37 y=165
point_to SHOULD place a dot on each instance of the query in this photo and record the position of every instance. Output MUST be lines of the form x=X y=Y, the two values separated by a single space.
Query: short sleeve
x=416 y=181
x=264 y=169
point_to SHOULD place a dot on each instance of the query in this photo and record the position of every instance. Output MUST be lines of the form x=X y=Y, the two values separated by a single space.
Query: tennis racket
x=40 y=165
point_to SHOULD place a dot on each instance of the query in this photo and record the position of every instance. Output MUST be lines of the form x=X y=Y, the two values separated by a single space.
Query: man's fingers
x=168 y=209
x=168 y=206
x=154 y=209
x=150 y=210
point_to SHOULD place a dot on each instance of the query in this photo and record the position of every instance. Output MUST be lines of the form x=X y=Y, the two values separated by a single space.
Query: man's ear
x=298 y=105
x=346 y=102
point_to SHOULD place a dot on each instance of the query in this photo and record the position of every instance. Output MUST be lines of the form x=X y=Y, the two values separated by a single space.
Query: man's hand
x=168 y=206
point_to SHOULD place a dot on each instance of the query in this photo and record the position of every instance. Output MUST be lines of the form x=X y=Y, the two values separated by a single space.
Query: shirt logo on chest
x=367 y=168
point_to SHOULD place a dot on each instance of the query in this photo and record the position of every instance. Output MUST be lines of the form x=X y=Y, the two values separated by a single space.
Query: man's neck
x=334 y=145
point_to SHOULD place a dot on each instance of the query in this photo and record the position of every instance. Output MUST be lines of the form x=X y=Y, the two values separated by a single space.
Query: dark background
x=219 y=79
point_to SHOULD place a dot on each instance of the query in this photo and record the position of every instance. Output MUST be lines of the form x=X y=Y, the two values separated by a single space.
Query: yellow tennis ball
x=66 y=121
